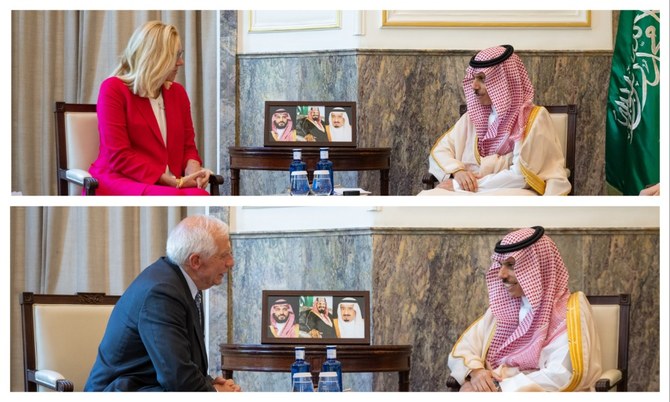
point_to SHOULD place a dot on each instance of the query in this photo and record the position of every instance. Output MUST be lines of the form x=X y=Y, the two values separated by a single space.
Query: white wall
x=360 y=29
x=245 y=219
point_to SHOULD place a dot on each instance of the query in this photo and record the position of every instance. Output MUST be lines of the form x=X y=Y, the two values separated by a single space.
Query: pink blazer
x=132 y=152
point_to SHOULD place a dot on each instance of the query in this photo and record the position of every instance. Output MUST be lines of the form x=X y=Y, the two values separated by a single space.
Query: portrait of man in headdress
x=339 y=126
x=282 y=128
x=283 y=323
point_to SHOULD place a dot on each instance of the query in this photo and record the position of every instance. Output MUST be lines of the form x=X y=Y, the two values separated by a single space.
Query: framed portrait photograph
x=310 y=124
x=316 y=316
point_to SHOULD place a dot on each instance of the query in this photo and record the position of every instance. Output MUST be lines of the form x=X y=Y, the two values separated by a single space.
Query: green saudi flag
x=633 y=107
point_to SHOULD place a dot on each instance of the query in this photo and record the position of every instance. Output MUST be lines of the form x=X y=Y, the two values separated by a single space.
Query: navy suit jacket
x=153 y=340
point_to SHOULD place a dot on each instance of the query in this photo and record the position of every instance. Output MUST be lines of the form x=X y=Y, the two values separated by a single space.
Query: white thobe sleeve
x=507 y=178
x=542 y=158
x=469 y=351
x=446 y=156
x=554 y=374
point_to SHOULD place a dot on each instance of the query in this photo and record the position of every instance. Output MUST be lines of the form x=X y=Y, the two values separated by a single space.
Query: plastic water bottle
x=328 y=382
x=325 y=164
x=299 y=365
x=302 y=382
x=297 y=164
x=332 y=364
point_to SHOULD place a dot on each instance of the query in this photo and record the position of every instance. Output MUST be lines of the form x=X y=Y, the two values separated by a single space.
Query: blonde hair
x=149 y=57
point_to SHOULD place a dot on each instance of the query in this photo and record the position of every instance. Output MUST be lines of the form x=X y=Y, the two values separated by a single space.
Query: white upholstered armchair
x=61 y=335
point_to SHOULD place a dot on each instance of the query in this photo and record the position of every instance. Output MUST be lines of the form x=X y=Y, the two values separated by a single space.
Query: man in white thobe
x=535 y=335
x=503 y=144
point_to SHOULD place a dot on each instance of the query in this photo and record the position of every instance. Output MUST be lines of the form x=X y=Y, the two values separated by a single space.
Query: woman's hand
x=200 y=175
x=198 y=179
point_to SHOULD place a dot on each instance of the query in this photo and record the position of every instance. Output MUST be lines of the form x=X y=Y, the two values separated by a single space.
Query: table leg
x=403 y=381
x=384 y=181
x=234 y=181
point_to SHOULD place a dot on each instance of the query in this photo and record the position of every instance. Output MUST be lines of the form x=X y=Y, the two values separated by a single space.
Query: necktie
x=198 y=305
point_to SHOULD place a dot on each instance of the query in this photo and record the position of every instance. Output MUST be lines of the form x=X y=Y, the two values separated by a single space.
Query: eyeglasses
x=180 y=54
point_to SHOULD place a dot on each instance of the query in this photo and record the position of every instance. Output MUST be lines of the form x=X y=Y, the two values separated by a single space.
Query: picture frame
x=343 y=317
x=486 y=18
x=262 y=21
x=310 y=124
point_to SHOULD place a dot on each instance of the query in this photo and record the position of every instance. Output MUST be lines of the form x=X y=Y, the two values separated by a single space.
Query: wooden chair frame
x=90 y=183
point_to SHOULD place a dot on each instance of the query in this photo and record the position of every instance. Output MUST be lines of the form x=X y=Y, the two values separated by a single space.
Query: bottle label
x=297 y=154
x=331 y=353
x=324 y=153
x=300 y=354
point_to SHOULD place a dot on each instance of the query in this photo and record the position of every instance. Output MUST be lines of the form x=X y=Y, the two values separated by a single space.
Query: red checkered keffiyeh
x=287 y=331
x=512 y=95
x=543 y=278
x=286 y=134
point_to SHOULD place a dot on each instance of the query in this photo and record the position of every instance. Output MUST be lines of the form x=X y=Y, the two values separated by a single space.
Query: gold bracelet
x=180 y=182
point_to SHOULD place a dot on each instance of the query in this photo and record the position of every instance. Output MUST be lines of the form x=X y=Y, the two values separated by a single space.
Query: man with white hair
x=155 y=339
x=338 y=128
x=350 y=322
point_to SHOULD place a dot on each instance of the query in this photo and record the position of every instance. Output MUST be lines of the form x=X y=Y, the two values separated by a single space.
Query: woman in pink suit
x=147 y=142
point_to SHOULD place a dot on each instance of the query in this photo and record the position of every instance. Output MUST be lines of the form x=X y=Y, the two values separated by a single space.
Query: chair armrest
x=82 y=178
x=76 y=176
x=608 y=380
x=453 y=385
x=429 y=181
x=53 y=380
x=215 y=180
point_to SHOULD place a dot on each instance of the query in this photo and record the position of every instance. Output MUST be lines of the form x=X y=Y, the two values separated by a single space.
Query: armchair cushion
x=82 y=139
x=69 y=336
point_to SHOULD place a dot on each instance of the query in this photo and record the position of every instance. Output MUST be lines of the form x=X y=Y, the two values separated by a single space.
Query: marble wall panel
x=407 y=99
x=228 y=91
x=219 y=301
x=630 y=264
x=579 y=78
x=312 y=76
x=427 y=286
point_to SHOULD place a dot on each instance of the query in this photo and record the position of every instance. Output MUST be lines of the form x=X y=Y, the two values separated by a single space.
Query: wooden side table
x=354 y=359
x=279 y=158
